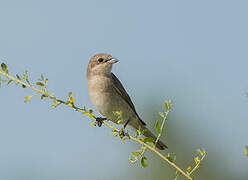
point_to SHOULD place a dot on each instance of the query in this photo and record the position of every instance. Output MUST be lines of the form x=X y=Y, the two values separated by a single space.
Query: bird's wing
x=122 y=92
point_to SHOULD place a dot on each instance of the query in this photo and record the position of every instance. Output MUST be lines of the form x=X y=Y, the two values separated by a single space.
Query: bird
x=108 y=95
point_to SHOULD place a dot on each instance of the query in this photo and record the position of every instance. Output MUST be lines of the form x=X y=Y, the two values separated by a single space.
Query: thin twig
x=197 y=165
x=162 y=126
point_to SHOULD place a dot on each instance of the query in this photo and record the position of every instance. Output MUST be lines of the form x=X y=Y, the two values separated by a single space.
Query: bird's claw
x=122 y=133
x=99 y=121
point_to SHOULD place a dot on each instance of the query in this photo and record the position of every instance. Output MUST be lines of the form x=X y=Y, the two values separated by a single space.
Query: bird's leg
x=126 y=123
x=122 y=132
x=99 y=121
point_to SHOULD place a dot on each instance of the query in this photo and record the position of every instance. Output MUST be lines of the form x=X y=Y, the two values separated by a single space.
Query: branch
x=44 y=94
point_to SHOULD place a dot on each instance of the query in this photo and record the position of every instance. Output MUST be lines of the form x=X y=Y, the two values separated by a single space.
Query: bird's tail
x=160 y=145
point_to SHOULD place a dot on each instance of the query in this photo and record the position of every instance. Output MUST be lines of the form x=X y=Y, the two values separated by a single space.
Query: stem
x=106 y=123
x=197 y=165
x=152 y=149
x=162 y=126
x=162 y=156
x=34 y=88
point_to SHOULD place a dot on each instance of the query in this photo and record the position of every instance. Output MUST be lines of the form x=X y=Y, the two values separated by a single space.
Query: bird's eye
x=100 y=60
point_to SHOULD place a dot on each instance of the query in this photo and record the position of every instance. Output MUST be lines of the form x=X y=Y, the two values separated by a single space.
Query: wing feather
x=122 y=92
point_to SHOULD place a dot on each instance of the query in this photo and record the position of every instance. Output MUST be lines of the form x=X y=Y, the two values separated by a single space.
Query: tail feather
x=160 y=145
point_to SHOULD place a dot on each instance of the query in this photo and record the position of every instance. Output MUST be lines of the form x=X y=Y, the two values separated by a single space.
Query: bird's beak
x=113 y=60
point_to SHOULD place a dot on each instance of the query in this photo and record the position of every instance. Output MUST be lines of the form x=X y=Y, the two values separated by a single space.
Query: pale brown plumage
x=108 y=94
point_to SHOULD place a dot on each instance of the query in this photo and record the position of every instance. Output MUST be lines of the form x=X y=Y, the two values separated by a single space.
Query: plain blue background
x=193 y=52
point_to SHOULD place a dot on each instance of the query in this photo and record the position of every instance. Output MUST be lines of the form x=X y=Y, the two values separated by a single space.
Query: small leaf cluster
x=23 y=76
x=4 y=68
x=171 y=157
x=167 y=105
x=88 y=112
x=42 y=84
x=197 y=159
x=118 y=116
x=121 y=132
x=139 y=155
x=70 y=101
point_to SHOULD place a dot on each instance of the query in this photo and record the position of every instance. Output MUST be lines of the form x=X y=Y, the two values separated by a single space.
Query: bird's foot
x=99 y=121
x=123 y=134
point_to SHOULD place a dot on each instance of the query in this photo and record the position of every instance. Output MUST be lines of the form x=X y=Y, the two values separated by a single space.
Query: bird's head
x=100 y=64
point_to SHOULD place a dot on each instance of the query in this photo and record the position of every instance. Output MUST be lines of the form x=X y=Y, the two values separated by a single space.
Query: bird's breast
x=106 y=100
x=100 y=92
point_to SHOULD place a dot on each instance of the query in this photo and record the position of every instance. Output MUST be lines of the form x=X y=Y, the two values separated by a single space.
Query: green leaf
x=18 y=77
x=161 y=114
x=136 y=153
x=171 y=158
x=26 y=77
x=118 y=114
x=158 y=127
x=41 y=77
x=143 y=162
x=189 y=169
x=167 y=105
x=114 y=132
x=197 y=160
x=246 y=151
x=42 y=96
x=200 y=152
x=71 y=99
x=204 y=151
x=177 y=174
x=27 y=98
x=70 y=94
x=55 y=103
x=40 y=84
x=4 y=67
x=9 y=82
x=124 y=139
x=67 y=102
x=93 y=123
x=23 y=86
x=149 y=139
x=119 y=122
x=133 y=159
